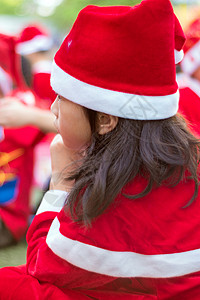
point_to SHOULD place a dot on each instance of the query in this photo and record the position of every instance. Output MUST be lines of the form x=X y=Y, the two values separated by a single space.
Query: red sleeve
x=42 y=262
x=119 y=244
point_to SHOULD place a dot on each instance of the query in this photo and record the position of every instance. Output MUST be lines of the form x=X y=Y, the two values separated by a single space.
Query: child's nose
x=54 y=107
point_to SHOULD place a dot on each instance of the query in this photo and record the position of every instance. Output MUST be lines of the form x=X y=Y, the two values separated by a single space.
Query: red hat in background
x=191 y=59
x=33 y=39
x=10 y=61
x=120 y=60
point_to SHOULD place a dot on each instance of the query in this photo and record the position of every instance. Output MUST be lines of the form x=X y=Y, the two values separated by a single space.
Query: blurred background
x=58 y=16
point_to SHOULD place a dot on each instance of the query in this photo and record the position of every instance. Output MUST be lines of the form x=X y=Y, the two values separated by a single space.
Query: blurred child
x=23 y=125
x=36 y=44
x=121 y=220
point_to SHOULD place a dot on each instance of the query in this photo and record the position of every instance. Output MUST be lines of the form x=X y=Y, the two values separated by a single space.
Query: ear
x=106 y=123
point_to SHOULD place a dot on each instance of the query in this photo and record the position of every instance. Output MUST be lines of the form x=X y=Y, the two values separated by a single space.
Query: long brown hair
x=160 y=150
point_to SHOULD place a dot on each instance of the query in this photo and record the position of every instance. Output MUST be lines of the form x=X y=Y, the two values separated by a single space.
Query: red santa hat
x=33 y=38
x=191 y=60
x=120 y=60
x=10 y=63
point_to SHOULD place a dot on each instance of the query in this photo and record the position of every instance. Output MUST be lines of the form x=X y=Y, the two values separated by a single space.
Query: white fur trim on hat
x=191 y=60
x=38 y=43
x=124 y=105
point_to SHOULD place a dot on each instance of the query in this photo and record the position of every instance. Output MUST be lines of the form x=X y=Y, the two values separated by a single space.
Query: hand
x=63 y=162
x=13 y=113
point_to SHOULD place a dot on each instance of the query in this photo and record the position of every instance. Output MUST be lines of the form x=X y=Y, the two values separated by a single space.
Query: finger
x=8 y=99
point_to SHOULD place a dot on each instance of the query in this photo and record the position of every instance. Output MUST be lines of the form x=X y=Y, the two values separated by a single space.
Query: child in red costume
x=17 y=113
x=35 y=43
x=121 y=220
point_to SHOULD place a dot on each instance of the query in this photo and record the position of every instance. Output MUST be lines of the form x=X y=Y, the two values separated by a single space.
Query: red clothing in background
x=16 y=170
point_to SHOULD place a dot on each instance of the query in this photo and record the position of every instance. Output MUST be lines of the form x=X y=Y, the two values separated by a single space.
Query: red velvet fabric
x=155 y=224
x=42 y=88
x=16 y=284
x=137 y=58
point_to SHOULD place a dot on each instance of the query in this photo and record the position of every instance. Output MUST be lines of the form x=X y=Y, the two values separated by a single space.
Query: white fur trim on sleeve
x=118 y=263
x=53 y=201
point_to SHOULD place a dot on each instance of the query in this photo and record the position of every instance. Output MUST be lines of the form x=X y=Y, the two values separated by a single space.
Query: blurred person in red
x=189 y=79
x=35 y=43
x=24 y=125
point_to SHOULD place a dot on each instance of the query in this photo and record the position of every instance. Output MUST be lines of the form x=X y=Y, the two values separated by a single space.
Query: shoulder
x=129 y=225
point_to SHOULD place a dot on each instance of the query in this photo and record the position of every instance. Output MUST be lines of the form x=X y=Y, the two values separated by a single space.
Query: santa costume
x=142 y=249
x=189 y=104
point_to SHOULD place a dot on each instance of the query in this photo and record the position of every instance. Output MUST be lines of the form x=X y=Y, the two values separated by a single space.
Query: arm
x=14 y=113
x=43 y=119
x=44 y=234
x=46 y=265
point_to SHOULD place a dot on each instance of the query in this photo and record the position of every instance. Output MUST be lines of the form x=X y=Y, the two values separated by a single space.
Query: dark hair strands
x=161 y=151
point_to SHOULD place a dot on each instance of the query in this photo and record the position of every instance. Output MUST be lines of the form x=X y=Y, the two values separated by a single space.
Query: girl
x=121 y=220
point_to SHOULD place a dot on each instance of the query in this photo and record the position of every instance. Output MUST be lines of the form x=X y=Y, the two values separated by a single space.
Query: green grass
x=16 y=255
x=13 y=255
